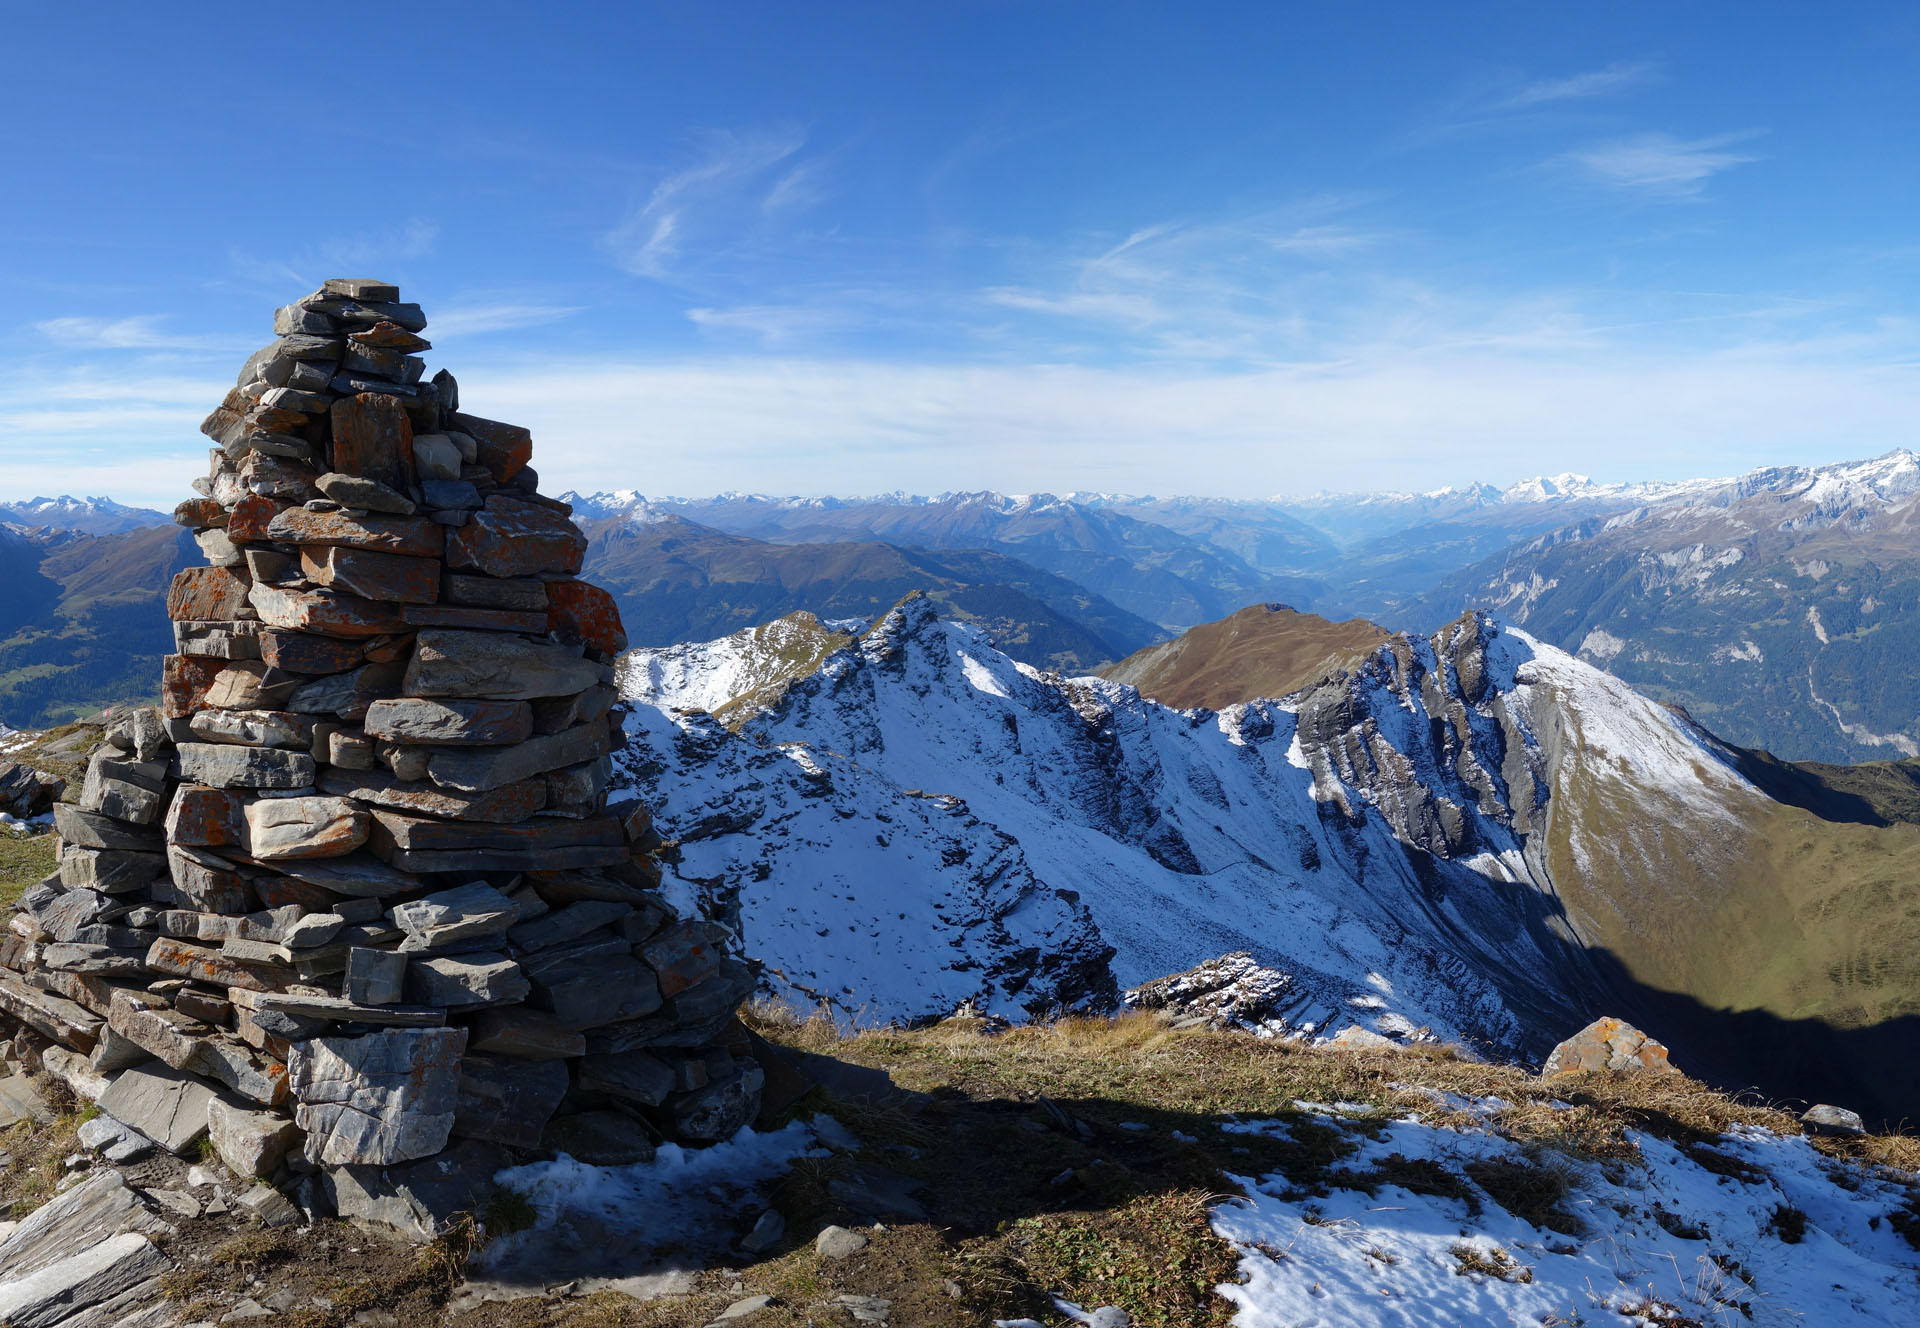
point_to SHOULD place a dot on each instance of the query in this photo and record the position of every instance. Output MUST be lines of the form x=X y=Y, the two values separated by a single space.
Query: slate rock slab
x=494 y=666
x=162 y=1103
x=450 y=722
x=379 y=1098
x=92 y=1211
x=599 y=1138
x=418 y=1200
x=218 y=765
x=506 y=1101
x=461 y=914
x=58 y=1293
x=509 y=538
x=251 y=1143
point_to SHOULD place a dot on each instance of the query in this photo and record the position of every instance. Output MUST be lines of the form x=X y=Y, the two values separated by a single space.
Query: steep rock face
x=1361 y=838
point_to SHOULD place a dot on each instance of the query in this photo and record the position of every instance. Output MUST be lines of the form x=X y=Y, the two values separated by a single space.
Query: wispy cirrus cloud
x=1429 y=413
x=141 y=332
x=1100 y=306
x=802 y=187
x=775 y=324
x=477 y=319
x=1661 y=164
x=1517 y=104
x=1604 y=82
x=340 y=255
x=702 y=204
x=1234 y=287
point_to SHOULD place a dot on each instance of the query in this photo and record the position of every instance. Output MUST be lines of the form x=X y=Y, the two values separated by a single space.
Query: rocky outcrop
x=1012 y=836
x=26 y=792
x=356 y=891
x=1608 y=1044
x=1233 y=991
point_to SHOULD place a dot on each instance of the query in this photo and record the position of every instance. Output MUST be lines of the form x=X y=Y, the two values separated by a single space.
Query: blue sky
x=1237 y=249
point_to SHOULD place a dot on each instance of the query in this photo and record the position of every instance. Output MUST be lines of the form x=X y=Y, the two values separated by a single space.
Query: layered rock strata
x=355 y=890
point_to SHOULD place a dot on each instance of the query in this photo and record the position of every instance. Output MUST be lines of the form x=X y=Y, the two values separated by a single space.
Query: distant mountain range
x=1147 y=569
x=89 y=516
x=1780 y=607
x=679 y=581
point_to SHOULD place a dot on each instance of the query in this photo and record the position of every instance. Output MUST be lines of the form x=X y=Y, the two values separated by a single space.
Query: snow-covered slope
x=711 y=675
x=1747 y=1227
x=920 y=820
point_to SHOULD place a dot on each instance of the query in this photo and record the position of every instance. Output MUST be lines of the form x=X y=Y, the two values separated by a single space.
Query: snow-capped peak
x=93 y=516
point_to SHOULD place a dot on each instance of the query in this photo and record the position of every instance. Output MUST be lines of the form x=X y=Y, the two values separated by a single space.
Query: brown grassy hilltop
x=1263 y=650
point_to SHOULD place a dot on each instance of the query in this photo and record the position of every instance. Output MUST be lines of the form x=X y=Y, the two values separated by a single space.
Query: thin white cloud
x=651 y=241
x=1108 y=307
x=1242 y=287
x=800 y=188
x=1426 y=404
x=1662 y=164
x=773 y=324
x=354 y=255
x=473 y=320
x=143 y=332
x=1614 y=78
x=1326 y=241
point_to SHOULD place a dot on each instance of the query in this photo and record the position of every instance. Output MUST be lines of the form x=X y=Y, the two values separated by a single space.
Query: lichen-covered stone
x=510 y=538
x=1608 y=1044
x=580 y=611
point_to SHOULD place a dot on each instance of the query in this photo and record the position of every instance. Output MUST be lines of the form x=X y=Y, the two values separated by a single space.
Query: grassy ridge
x=1264 y=650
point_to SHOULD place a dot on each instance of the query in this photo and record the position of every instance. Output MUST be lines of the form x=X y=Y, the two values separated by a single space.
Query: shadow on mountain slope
x=1869 y=1068
x=1877 y=793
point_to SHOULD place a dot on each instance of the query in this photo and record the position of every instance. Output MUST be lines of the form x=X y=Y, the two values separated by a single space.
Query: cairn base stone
x=250 y=1143
x=379 y=1098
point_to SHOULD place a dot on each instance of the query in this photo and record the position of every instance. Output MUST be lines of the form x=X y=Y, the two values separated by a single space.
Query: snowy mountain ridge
x=91 y=516
x=1025 y=841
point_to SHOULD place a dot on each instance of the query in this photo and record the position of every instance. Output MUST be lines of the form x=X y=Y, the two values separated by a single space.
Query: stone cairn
x=354 y=895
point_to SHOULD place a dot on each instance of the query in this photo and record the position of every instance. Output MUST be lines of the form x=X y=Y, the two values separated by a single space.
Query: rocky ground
x=967 y=1173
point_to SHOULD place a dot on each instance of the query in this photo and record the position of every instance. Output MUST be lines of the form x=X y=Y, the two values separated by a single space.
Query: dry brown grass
x=1138 y=1062
x=1037 y=1186
x=36 y=1153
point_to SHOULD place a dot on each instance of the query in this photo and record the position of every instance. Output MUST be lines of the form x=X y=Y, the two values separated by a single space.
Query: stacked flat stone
x=356 y=890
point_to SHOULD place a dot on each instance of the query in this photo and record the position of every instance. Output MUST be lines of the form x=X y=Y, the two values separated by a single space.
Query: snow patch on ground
x=1600 y=645
x=1664 y=1241
x=646 y=1229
